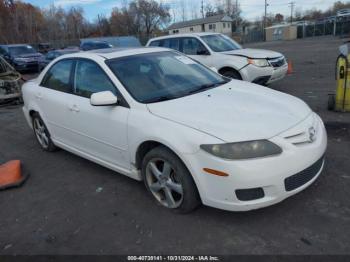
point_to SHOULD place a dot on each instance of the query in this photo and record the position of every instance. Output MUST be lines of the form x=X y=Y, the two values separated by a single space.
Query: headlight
x=243 y=150
x=259 y=62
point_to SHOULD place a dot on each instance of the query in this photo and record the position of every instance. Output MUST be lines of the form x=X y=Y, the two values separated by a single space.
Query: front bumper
x=263 y=75
x=269 y=173
x=26 y=66
x=278 y=74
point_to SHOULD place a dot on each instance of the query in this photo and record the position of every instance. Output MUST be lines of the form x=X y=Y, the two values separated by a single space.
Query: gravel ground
x=73 y=206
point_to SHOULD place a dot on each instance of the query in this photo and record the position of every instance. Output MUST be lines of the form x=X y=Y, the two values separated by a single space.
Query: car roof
x=94 y=42
x=111 y=53
x=16 y=45
x=184 y=35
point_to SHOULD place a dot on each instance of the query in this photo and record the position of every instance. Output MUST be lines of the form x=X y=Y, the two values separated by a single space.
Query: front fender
x=182 y=140
x=235 y=62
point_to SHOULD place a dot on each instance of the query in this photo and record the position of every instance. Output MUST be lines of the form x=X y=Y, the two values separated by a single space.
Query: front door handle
x=74 y=108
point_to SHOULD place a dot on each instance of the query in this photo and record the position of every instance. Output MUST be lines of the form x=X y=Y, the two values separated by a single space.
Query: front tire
x=42 y=134
x=168 y=180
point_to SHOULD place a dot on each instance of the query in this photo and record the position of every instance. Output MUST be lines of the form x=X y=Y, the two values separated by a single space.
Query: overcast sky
x=250 y=8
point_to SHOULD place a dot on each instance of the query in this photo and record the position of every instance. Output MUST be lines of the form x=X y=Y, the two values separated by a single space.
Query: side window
x=89 y=78
x=173 y=43
x=58 y=76
x=192 y=46
x=2 y=51
x=155 y=43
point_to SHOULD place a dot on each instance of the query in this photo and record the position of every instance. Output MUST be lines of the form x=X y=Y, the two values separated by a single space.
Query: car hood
x=237 y=111
x=34 y=55
x=254 y=53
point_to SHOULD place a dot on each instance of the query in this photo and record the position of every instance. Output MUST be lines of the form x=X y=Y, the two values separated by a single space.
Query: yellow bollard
x=342 y=96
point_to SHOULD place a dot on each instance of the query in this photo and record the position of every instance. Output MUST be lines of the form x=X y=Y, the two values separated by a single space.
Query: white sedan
x=192 y=135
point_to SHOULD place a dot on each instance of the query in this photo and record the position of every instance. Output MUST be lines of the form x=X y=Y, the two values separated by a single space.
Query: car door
x=192 y=47
x=98 y=131
x=53 y=96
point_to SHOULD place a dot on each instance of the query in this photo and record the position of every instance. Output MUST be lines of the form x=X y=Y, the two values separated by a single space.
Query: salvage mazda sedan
x=192 y=135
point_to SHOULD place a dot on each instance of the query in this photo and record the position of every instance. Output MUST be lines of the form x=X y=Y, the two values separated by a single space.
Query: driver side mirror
x=202 y=52
x=105 y=98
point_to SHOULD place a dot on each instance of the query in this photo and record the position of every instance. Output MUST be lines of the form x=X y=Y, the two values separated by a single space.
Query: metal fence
x=255 y=35
x=336 y=27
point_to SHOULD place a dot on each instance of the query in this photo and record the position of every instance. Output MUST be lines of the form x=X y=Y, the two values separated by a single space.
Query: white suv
x=228 y=57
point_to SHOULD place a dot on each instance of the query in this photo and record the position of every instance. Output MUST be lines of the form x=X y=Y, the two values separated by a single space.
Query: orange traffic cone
x=290 y=68
x=11 y=175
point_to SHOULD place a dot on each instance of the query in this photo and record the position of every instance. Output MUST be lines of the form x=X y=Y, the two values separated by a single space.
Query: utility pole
x=265 y=20
x=236 y=14
x=202 y=8
x=291 y=4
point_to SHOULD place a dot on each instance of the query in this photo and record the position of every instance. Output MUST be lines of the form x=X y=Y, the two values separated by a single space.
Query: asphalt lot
x=73 y=206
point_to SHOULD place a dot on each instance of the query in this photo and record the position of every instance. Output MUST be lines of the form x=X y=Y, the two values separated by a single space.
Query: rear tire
x=168 y=180
x=42 y=134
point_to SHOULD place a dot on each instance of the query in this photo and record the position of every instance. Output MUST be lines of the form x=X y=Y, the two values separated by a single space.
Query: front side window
x=220 y=43
x=58 y=77
x=192 y=46
x=160 y=76
x=89 y=78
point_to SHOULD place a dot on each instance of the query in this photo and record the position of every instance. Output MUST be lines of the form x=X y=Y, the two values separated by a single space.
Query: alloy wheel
x=163 y=183
x=40 y=132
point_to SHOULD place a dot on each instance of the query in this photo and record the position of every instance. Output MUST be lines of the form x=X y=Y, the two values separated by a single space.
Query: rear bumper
x=27 y=116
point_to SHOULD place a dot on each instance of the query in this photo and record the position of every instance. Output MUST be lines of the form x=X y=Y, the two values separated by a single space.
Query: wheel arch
x=229 y=68
x=147 y=145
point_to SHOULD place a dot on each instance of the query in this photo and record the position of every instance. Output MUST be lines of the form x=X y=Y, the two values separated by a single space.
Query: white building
x=218 y=23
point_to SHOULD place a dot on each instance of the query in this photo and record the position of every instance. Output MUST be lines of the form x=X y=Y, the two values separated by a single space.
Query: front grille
x=277 y=62
x=304 y=176
x=250 y=194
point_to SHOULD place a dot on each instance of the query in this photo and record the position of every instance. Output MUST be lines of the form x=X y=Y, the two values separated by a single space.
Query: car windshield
x=220 y=43
x=161 y=76
x=21 y=50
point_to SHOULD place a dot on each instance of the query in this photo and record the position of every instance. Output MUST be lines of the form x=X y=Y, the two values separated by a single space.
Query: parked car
x=189 y=133
x=93 y=45
x=21 y=57
x=228 y=57
x=51 y=55
x=343 y=12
